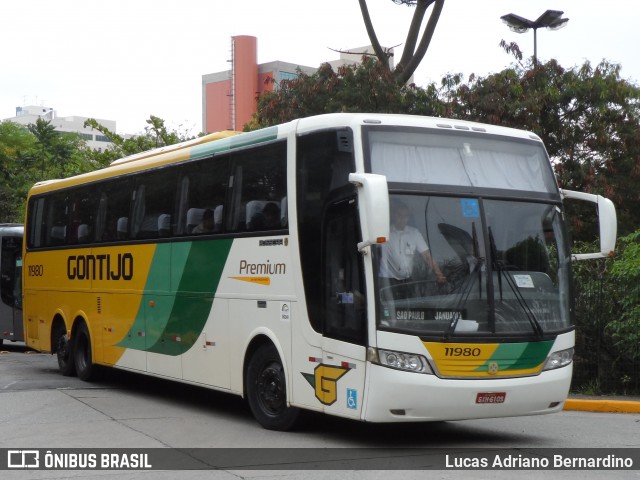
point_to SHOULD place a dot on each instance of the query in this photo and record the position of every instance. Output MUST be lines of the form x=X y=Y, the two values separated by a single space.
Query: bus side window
x=154 y=197
x=203 y=189
x=324 y=161
x=83 y=213
x=57 y=219
x=259 y=184
x=113 y=211
x=37 y=230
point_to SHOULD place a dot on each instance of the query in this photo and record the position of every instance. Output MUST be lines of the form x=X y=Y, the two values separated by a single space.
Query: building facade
x=229 y=98
x=73 y=124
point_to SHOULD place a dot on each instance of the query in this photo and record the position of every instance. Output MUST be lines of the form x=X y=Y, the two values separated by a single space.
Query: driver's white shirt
x=398 y=252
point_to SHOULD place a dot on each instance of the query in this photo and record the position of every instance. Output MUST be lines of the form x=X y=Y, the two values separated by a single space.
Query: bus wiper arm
x=464 y=295
x=498 y=267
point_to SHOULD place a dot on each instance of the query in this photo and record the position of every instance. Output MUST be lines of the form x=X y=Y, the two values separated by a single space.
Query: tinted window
x=203 y=189
x=325 y=160
x=153 y=206
x=258 y=189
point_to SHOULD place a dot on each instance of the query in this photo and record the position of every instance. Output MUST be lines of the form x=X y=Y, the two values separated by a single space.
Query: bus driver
x=399 y=252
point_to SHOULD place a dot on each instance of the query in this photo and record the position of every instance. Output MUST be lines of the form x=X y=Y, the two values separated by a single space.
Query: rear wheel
x=267 y=390
x=82 y=353
x=64 y=347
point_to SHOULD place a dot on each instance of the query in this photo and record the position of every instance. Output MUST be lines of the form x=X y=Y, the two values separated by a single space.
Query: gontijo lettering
x=100 y=267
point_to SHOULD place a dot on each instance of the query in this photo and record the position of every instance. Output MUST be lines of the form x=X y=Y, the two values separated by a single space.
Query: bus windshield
x=461 y=263
x=459 y=158
x=472 y=266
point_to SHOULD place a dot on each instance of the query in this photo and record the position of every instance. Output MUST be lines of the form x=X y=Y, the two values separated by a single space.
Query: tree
x=155 y=135
x=625 y=329
x=16 y=146
x=415 y=46
x=57 y=154
x=588 y=118
x=368 y=87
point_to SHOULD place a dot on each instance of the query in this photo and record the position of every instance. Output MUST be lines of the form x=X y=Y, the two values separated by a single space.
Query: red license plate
x=491 y=397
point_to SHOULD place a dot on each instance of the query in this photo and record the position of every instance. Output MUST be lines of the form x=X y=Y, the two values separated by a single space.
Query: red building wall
x=221 y=94
x=245 y=64
x=218 y=114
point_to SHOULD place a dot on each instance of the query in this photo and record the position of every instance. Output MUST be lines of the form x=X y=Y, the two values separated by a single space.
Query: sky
x=125 y=60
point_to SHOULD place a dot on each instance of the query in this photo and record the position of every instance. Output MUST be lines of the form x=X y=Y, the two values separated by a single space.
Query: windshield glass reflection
x=467 y=266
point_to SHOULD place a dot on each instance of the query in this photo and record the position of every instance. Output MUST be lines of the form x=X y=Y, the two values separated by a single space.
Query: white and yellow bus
x=11 y=324
x=258 y=264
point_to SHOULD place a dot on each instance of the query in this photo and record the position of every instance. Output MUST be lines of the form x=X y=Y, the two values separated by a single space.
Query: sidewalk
x=588 y=403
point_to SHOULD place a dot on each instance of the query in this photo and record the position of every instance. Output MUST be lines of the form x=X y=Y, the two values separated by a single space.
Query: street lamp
x=551 y=19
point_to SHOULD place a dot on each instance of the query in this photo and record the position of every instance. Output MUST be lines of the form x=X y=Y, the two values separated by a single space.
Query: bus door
x=11 y=288
x=341 y=376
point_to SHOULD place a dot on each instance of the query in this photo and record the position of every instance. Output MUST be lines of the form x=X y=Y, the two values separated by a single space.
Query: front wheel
x=267 y=390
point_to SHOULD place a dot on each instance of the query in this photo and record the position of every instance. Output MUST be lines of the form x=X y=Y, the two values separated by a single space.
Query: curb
x=609 y=406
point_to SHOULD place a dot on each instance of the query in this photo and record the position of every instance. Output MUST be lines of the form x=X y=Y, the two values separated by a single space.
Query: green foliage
x=156 y=135
x=57 y=155
x=38 y=152
x=607 y=309
x=625 y=330
x=588 y=118
x=16 y=145
x=368 y=87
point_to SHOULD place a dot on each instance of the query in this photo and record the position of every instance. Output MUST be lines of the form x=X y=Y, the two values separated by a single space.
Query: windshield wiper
x=468 y=283
x=499 y=267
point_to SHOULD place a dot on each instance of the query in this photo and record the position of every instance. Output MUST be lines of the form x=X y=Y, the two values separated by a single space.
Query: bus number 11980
x=461 y=352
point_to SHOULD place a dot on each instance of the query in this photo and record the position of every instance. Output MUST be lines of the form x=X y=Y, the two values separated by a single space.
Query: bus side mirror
x=607 y=220
x=374 y=205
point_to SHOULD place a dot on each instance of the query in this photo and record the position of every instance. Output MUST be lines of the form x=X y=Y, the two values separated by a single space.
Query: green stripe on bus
x=143 y=333
x=173 y=323
x=519 y=356
x=198 y=283
x=239 y=141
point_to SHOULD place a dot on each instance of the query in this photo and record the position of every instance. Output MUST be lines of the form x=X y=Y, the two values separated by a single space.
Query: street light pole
x=551 y=19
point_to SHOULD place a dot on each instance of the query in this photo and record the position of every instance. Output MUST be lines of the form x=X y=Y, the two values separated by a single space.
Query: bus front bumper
x=396 y=396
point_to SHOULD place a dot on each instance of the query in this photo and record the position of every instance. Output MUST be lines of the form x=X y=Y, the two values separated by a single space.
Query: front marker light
x=559 y=359
x=409 y=362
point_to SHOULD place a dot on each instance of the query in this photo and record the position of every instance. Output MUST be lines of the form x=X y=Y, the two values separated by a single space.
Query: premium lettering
x=100 y=267
x=268 y=268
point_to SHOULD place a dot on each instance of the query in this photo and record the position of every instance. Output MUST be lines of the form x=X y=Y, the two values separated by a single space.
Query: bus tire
x=267 y=390
x=64 y=352
x=82 y=357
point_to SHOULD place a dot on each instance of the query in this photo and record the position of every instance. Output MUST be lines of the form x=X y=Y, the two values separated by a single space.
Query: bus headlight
x=409 y=362
x=559 y=359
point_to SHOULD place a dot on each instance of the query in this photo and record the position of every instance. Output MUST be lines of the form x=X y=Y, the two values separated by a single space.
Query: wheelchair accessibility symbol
x=352 y=399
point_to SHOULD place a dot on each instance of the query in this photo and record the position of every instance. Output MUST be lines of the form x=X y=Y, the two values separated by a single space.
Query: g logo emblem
x=325 y=382
x=492 y=368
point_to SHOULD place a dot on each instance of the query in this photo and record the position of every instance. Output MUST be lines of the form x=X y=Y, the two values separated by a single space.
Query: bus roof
x=178 y=146
x=357 y=119
x=229 y=140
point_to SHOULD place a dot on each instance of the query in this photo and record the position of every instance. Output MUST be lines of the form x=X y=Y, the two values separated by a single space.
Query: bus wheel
x=82 y=353
x=267 y=390
x=65 y=358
